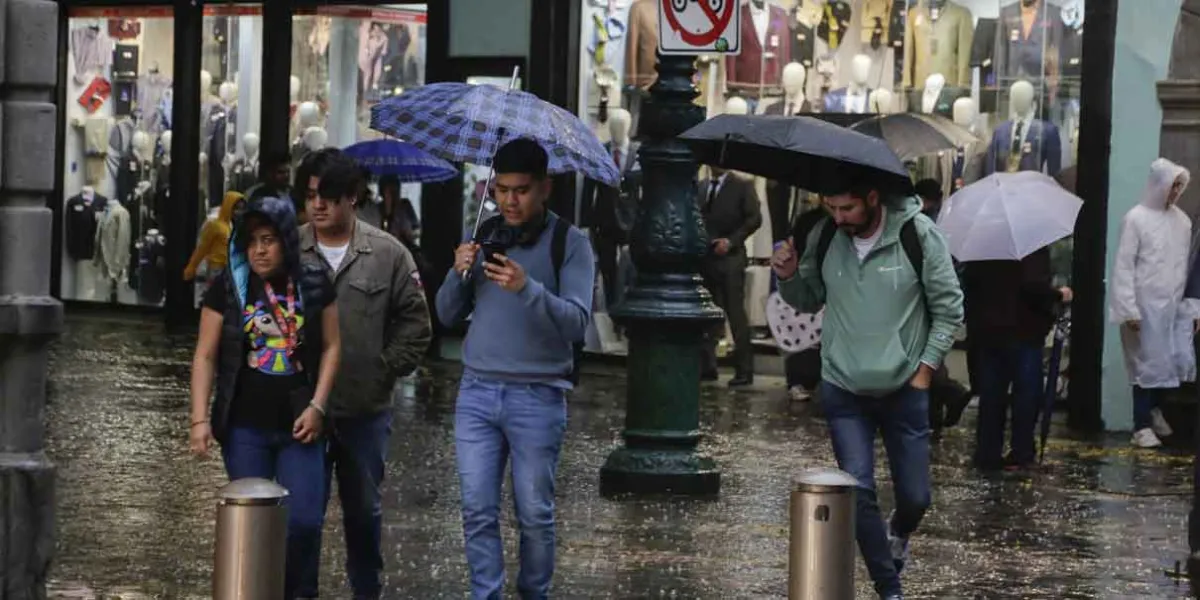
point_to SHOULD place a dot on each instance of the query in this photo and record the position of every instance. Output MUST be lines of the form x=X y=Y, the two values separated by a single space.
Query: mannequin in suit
x=854 y=98
x=1027 y=30
x=1024 y=142
x=936 y=98
x=966 y=164
x=641 y=44
x=882 y=102
x=611 y=211
x=731 y=214
x=937 y=39
x=766 y=48
x=780 y=197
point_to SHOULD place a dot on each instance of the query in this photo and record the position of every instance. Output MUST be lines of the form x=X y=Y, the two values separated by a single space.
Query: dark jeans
x=250 y=452
x=903 y=419
x=1145 y=400
x=357 y=453
x=803 y=368
x=495 y=422
x=725 y=279
x=1018 y=366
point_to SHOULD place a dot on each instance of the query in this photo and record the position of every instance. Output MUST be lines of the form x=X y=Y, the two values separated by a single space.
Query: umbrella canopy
x=912 y=135
x=802 y=151
x=402 y=159
x=1008 y=216
x=467 y=123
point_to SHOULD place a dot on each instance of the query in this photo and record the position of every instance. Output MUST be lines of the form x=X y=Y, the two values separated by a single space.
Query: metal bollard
x=251 y=541
x=822 y=545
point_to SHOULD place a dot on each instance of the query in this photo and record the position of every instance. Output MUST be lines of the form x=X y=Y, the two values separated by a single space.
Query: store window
x=117 y=149
x=1008 y=70
x=345 y=59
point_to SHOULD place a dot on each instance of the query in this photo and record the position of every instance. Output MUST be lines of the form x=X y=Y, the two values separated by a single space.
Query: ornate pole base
x=667 y=312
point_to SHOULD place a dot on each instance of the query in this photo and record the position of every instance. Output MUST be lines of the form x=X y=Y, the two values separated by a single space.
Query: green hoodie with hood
x=880 y=322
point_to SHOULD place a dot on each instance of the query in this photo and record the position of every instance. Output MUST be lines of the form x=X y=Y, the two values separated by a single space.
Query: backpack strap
x=828 y=230
x=558 y=248
x=911 y=242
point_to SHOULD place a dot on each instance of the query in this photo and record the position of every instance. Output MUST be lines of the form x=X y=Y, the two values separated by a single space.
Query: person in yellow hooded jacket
x=213 y=246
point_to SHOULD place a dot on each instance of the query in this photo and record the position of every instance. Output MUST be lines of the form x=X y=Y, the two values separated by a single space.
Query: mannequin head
x=793 y=80
x=228 y=92
x=143 y=144
x=205 y=83
x=882 y=102
x=736 y=106
x=294 y=88
x=619 y=123
x=937 y=81
x=308 y=114
x=1020 y=97
x=250 y=143
x=860 y=70
x=315 y=138
x=965 y=112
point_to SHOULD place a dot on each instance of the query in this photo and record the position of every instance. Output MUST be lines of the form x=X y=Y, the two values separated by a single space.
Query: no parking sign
x=699 y=27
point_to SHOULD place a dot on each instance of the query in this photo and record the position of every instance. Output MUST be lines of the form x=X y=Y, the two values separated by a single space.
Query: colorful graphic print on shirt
x=272 y=342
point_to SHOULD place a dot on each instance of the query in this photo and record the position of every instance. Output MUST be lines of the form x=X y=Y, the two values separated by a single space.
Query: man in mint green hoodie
x=888 y=325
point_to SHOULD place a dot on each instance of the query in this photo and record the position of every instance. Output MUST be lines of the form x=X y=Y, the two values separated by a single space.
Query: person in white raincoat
x=1146 y=298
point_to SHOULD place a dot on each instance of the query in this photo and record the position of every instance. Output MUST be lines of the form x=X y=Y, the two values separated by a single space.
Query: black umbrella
x=1062 y=331
x=912 y=135
x=802 y=151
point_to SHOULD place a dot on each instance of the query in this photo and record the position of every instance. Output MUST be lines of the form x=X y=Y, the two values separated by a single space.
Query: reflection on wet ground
x=136 y=513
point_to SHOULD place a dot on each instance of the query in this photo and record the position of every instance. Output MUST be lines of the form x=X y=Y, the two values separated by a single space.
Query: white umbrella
x=1008 y=216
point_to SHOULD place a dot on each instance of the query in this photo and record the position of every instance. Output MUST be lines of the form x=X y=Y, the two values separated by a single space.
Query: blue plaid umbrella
x=402 y=159
x=461 y=122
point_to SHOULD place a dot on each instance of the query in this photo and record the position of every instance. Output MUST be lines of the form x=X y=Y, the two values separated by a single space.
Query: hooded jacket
x=213 y=246
x=1147 y=284
x=312 y=286
x=880 y=322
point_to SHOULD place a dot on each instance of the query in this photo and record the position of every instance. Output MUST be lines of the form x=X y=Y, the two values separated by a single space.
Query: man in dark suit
x=729 y=205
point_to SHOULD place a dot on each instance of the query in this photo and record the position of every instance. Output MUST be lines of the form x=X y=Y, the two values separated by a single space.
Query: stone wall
x=30 y=318
x=1179 y=95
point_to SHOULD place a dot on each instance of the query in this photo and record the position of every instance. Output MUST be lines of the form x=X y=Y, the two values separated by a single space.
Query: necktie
x=1016 y=141
x=617 y=158
x=712 y=194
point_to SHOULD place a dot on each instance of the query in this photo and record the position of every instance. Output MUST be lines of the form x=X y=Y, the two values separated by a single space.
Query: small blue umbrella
x=404 y=160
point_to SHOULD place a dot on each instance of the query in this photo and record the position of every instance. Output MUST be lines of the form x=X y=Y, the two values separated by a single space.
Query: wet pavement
x=135 y=517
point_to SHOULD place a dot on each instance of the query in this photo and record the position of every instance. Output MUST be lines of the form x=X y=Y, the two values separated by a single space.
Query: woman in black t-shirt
x=269 y=341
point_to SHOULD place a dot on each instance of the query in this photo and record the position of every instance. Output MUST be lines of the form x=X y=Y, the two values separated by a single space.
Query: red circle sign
x=719 y=22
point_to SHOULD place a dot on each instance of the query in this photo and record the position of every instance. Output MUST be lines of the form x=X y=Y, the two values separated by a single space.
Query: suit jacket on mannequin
x=641 y=44
x=1018 y=55
x=113 y=241
x=837 y=101
x=804 y=40
x=1041 y=150
x=82 y=218
x=944 y=105
x=760 y=62
x=777 y=108
x=938 y=46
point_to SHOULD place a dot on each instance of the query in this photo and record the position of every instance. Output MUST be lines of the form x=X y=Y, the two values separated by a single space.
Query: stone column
x=667 y=311
x=29 y=317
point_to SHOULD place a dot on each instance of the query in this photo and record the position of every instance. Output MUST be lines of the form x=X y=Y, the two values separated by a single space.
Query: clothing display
x=124 y=29
x=847 y=100
x=788 y=107
x=91 y=52
x=154 y=101
x=641 y=44
x=96 y=93
x=766 y=48
x=937 y=39
x=942 y=105
x=1026 y=34
x=222 y=140
x=310 y=60
x=372 y=44
x=113 y=241
x=1025 y=144
x=151 y=272
x=243 y=174
x=123 y=98
x=125 y=61
x=835 y=23
x=83 y=213
x=95 y=147
x=983 y=50
x=400 y=70
x=804 y=39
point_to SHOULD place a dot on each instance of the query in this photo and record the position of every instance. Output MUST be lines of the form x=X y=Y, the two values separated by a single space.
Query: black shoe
x=741 y=381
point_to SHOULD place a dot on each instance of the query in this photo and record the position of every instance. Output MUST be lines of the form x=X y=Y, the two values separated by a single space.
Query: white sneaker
x=1159 y=423
x=797 y=393
x=1145 y=438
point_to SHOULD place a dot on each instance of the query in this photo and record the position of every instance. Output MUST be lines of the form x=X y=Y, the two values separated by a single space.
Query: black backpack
x=558 y=254
x=909 y=240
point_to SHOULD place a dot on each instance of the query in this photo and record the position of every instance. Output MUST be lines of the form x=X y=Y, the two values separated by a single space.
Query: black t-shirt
x=270 y=376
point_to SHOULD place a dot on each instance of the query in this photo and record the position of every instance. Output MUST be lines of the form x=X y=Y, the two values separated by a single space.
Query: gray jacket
x=382 y=314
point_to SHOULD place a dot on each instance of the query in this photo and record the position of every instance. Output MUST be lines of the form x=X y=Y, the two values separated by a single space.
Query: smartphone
x=490 y=250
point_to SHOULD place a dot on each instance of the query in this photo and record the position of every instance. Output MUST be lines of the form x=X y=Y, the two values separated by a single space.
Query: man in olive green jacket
x=888 y=325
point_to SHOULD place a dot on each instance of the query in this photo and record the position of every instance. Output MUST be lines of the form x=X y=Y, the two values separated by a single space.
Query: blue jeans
x=903 y=419
x=1145 y=400
x=300 y=468
x=357 y=453
x=494 y=421
x=1018 y=366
